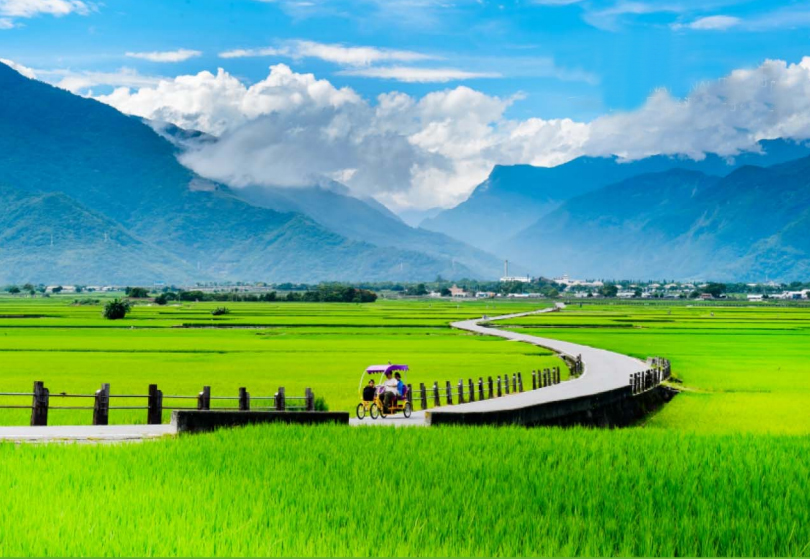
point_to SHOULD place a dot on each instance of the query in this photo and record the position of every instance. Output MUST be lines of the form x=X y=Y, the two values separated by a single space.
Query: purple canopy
x=371 y=369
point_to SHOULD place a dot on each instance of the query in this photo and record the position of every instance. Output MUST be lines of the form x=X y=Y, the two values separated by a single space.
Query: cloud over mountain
x=407 y=151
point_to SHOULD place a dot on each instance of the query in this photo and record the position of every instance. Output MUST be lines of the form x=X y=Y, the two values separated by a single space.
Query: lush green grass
x=744 y=369
x=721 y=470
x=303 y=491
x=322 y=346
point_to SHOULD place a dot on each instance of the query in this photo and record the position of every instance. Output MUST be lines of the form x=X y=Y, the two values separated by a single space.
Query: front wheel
x=406 y=411
x=374 y=411
x=361 y=411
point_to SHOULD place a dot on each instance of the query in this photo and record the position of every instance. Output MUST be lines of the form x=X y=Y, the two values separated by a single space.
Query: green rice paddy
x=720 y=470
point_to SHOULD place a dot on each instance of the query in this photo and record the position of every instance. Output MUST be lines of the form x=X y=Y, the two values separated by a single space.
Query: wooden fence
x=659 y=370
x=41 y=402
x=472 y=390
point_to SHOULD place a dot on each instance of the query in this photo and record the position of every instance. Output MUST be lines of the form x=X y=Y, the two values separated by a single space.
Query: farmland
x=720 y=470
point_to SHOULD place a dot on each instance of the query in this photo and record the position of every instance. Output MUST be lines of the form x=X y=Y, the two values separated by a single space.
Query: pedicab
x=371 y=399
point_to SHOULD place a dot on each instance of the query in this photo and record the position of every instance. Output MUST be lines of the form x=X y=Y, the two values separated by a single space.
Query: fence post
x=204 y=399
x=534 y=380
x=280 y=400
x=471 y=386
x=514 y=382
x=632 y=386
x=489 y=383
x=499 y=387
x=449 y=394
x=557 y=372
x=460 y=391
x=154 y=413
x=101 y=409
x=437 y=401
x=309 y=399
x=244 y=399
x=423 y=395
x=520 y=382
x=547 y=373
x=506 y=384
x=39 y=406
x=480 y=388
x=409 y=395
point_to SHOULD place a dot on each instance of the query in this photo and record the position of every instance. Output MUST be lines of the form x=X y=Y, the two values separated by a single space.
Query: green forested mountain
x=176 y=225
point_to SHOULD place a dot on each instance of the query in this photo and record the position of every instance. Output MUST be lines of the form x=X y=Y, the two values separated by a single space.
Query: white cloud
x=178 y=55
x=412 y=74
x=710 y=23
x=338 y=54
x=611 y=18
x=24 y=70
x=6 y=23
x=290 y=129
x=246 y=53
x=31 y=8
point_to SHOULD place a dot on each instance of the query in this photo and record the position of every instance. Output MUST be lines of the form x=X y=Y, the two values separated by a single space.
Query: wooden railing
x=659 y=371
x=473 y=390
x=41 y=402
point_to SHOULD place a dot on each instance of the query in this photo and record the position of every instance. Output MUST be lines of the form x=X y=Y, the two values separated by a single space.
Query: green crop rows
x=720 y=470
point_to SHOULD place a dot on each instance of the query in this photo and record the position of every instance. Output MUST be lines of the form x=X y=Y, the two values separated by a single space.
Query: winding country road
x=603 y=370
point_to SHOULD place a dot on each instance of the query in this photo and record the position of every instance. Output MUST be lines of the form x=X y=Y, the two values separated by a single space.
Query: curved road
x=603 y=370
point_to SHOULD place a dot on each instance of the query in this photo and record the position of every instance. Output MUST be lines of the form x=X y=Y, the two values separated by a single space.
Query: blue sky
x=413 y=101
x=569 y=59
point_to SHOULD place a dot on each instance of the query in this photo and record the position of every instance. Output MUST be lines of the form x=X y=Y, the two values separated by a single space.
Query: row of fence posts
x=577 y=368
x=485 y=391
x=660 y=370
x=154 y=402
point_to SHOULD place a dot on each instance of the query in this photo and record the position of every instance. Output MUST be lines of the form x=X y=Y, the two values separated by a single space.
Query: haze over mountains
x=90 y=195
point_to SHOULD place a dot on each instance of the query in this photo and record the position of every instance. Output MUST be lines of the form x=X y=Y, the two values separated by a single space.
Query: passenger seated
x=390 y=392
x=368 y=391
x=401 y=388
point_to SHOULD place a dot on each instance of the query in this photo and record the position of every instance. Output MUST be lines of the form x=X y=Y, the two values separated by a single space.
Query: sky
x=413 y=101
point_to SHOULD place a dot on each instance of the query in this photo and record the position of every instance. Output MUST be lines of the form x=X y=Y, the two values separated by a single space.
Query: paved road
x=603 y=370
x=86 y=433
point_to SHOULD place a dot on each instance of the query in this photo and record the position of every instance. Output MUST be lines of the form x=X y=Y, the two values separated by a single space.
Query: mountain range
x=89 y=195
x=94 y=196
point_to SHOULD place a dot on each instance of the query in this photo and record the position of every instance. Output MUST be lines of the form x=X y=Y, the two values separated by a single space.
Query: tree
x=715 y=289
x=137 y=292
x=161 y=299
x=57 y=289
x=609 y=290
x=28 y=287
x=116 y=309
x=637 y=293
x=13 y=289
x=445 y=292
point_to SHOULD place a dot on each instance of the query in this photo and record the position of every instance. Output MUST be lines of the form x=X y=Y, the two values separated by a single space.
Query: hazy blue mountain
x=514 y=197
x=750 y=225
x=334 y=208
x=119 y=168
x=414 y=218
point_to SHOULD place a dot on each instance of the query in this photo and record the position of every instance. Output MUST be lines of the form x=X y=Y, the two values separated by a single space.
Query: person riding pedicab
x=369 y=391
x=401 y=388
x=390 y=391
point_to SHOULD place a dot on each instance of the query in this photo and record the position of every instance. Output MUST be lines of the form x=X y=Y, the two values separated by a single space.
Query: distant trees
x=57 y=289
x=418 y=290
x=116 y=309
x=13 y=289
x=714 y=289
x=136 y=292
x=219 y=311
x=609 y=290
x=445 y=292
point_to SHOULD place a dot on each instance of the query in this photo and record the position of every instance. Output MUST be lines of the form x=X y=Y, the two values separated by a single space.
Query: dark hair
x=397 y=375
x=371 y=381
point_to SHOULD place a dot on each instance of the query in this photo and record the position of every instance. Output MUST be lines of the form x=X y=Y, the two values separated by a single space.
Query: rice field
x=719 y=471
x=261 y=346
x=342 y=491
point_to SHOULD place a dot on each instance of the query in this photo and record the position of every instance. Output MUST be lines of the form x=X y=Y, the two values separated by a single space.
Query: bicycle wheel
x=361 y=411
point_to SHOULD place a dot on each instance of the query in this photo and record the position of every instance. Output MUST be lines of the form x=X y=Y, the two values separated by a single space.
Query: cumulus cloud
x=248 y=53
x=24 y=70
x=178 y=55
x=6 y=23
x=293 y=129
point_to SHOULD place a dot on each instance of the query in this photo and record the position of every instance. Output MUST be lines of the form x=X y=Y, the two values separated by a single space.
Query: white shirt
x=391 y=385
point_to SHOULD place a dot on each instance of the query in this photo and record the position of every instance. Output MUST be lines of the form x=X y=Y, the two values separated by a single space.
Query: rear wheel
x=406 y=411
x=374 y=411
x=361 y=411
